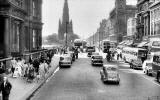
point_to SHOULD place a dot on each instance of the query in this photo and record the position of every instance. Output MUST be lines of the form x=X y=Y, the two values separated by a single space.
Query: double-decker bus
x=107 y=45
x=80 y=43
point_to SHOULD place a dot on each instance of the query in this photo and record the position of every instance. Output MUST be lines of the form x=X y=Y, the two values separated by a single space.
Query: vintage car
x=97 y=60
x=109 y=73
x=90 y=54
x=65 y=61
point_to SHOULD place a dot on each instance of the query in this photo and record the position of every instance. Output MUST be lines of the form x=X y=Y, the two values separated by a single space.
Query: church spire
x=65 y=17
x=66 y=25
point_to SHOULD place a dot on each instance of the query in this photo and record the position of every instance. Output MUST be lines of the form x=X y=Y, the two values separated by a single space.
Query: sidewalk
x=21 y=89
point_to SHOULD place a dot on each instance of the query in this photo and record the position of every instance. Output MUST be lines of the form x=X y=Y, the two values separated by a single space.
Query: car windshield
x=112 y=69
x=95 y=53
x=90 y=47
x=97 y=57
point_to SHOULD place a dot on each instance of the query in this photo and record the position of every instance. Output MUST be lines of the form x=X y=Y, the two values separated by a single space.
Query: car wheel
x=102 y=77
x=118 y=82
x=147 y=72
x=158 y=78
x=131 y=66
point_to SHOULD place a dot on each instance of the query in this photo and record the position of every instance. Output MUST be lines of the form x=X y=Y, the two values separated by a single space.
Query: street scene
x=83 y=82
x=79 y=50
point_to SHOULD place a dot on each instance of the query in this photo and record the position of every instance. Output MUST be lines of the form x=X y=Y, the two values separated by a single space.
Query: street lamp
x=66 y=34
x=99 y=40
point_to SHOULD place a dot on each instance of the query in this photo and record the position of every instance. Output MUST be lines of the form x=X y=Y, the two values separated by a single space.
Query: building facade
x=143 y=18
x=119 y=16
x=155 y=19
x=20 y=26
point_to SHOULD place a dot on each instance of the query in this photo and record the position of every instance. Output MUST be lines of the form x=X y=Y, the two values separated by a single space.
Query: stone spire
x=65 y=17
x=65 y=25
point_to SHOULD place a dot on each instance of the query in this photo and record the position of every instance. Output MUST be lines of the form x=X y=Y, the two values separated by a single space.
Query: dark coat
x=6 y=90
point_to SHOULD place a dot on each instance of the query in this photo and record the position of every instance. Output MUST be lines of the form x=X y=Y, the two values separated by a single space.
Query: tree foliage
x=53 y=38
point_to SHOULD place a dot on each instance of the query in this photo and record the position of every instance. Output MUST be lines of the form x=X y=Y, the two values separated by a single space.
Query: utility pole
x=93 y=38
x=99 y=39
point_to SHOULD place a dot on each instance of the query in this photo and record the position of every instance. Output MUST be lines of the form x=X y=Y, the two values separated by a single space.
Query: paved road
x=82 y=82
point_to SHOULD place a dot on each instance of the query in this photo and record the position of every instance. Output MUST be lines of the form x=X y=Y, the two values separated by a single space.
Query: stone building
x=131 y=27
x=119 y=16
x=143 y=18
x=20 y=26
x=155 y=19
x=65 y=25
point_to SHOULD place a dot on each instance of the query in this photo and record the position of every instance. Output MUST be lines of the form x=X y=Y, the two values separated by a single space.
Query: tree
x=52 y=38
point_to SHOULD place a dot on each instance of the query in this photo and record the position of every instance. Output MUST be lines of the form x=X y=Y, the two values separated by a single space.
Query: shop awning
x=123 y=42
x=142 y=44
x=129 y=42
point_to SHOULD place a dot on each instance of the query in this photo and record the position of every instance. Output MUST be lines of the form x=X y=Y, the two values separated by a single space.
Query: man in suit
x=5 y=88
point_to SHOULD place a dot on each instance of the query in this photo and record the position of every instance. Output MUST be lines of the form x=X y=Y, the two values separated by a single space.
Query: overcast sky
x=85 y=14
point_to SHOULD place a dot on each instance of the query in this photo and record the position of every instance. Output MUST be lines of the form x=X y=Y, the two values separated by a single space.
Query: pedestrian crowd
x=35 y=68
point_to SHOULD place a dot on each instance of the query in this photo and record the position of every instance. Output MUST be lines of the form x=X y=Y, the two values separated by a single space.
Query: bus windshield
x=142 y=53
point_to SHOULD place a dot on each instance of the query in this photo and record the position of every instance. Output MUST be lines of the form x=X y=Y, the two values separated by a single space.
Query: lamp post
x=99 y=39
x=66 y=34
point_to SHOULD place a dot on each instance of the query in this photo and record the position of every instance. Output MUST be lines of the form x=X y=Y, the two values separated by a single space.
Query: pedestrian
x=120 y=55
x=5 y=88
x=42 y=70
x=36 y=64
x=13 y=65
x=117 y=56
x=31 y=71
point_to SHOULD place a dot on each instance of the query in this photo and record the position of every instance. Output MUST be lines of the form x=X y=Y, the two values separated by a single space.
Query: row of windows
x=155 y=21
x=19 y=2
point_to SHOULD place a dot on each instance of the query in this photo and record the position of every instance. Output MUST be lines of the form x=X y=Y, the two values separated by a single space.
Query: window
x=34 y=38
x=19 y=2
x=34 y=8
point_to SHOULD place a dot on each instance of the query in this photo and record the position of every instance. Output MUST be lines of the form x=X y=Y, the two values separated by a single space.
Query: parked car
x=97 y=60
x=156 y=66
x=65 y=61
x=109 y=73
